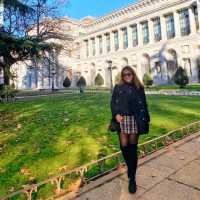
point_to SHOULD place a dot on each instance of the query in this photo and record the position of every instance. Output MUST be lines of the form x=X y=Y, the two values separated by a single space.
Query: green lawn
x=39 y=136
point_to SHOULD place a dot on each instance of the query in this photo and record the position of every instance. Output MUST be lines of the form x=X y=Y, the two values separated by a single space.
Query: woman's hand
x=119 y=118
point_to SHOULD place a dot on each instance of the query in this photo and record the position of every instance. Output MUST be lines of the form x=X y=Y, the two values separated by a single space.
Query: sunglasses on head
x=127 y=74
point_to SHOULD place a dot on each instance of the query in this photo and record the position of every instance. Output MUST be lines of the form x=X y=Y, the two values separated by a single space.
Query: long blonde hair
x=135 y=81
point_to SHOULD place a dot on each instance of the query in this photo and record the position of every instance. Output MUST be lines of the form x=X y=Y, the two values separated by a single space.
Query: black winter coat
x=128 y=100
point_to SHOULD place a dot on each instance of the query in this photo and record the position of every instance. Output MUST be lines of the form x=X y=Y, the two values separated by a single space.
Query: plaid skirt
x=128 y=125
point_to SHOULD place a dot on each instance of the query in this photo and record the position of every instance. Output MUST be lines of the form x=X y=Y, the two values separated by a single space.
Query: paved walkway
x=169 y=174
x=36 y=94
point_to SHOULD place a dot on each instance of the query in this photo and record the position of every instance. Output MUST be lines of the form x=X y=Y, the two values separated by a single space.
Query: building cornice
x=119 y=12
x=137 y=7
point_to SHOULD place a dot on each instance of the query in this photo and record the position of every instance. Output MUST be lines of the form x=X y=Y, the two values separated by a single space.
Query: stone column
x=140 y=35
x=104 y=44
x=163 y=27
x=130 y=38
x=90 y=47
x=192 y=20
x=177 y=24
x=85 y=48
x=140 y=72
x=82 y=49
x=97 y=45
x=151 y=31
x=112 y=42
x=120 y=36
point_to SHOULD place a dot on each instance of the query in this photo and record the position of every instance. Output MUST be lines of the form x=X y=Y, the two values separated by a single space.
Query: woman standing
x=130 y=112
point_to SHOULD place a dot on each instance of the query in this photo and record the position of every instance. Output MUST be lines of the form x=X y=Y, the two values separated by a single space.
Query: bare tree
x=16 y=41
x=46 y=13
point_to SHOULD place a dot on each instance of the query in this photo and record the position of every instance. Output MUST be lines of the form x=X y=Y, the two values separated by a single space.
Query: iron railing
x=97 y=168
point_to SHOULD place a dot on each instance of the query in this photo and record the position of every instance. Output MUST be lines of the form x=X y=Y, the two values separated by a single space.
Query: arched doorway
x=31 y=77
x=146 y=67
x=172 y=64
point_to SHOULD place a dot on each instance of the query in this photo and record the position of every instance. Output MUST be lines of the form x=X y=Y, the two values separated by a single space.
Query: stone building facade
x=152 y=36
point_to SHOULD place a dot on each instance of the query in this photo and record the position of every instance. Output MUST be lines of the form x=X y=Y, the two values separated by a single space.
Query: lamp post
x=53 y=72
x=111 y=79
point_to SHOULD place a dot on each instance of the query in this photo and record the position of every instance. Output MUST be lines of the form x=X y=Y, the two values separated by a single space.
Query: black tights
x=128 y=146
x=126 y=139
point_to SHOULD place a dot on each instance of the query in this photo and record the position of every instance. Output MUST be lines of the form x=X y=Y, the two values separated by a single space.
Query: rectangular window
x=157 y=29
x=116 y=40
x=145 y=32
x=100 y=45
x=170 y=26
x=125 y=38
x=184 y=22
x=93 y=46
x=108 y=42
x=135 y=35
x=87 y=47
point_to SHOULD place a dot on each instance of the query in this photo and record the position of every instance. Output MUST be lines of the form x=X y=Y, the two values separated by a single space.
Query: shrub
x=181 y=77
x=67 y=82
x=99 y=80
x=147 y=79
x=81 y=82
x=7 y=92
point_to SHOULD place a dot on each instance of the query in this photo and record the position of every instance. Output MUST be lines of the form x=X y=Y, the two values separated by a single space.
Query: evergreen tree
x=66 y=82
x=147 y=79
x=81 y=83
x=181 y=77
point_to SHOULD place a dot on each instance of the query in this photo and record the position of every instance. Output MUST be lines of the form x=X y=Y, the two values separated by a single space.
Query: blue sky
x=81 y=8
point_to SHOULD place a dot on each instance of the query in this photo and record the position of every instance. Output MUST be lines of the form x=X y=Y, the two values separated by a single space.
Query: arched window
x=146 y=68
x=172 y=63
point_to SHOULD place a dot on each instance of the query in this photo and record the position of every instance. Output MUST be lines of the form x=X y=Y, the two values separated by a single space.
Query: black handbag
x=114 y=126
x=143 y=126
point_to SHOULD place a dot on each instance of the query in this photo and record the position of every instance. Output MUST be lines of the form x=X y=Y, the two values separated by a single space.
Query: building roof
x=122 y=11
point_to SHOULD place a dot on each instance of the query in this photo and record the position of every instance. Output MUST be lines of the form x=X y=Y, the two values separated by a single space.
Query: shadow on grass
x=52 y=132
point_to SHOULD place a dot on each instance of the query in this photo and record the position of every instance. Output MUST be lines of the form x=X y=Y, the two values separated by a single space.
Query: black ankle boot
x=132 y=168
x=132 y=186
